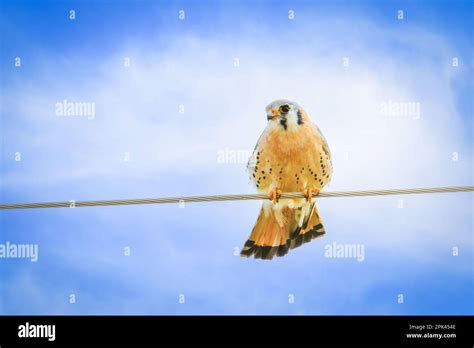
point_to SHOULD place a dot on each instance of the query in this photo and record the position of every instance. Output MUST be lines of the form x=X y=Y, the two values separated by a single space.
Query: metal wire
x=73 y=204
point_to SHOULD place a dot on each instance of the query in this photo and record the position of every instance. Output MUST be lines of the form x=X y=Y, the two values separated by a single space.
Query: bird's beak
x=272 y=114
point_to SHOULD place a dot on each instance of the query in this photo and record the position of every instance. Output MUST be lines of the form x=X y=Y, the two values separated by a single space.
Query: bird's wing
x=324 y=142
x=253 y=158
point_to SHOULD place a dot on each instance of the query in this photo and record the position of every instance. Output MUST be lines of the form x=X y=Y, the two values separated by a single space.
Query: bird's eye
x=284 y=109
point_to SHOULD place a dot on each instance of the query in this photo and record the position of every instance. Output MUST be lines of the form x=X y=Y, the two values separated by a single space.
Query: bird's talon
x=274 y=195
x=308 y=194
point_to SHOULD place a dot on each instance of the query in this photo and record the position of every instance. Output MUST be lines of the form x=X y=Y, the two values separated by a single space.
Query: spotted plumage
x=291 y=155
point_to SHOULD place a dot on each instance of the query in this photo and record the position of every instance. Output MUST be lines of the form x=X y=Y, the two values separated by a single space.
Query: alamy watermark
x=233 y=156
x=28 y=330
x=20 y=251
x=68 y=108
x=345 y=251
x=400 y=109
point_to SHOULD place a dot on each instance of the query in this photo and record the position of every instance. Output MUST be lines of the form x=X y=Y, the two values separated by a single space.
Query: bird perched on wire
x=291 y=155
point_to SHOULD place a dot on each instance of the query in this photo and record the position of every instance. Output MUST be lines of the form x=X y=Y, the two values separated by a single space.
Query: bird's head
x=286 y=114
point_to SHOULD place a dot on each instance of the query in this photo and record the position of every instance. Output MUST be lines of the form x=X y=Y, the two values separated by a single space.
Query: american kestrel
x=291 y=155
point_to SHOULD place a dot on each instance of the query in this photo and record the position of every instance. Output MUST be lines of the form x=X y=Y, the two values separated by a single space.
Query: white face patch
x=291 y=119
x=288 y=121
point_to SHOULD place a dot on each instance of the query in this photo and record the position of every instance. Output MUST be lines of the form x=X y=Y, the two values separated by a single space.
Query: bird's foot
x=274 y=195
x=308 y=193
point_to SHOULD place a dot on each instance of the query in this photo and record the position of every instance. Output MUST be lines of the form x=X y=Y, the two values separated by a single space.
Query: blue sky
x=408 y=244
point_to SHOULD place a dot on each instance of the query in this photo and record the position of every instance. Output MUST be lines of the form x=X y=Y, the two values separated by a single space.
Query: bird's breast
x=290 y=161
x=284 y=143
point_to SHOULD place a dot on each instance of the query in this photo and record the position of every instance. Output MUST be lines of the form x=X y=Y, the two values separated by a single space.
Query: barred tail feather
x=313 y=228
x=267 y=239
x=270 y=238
